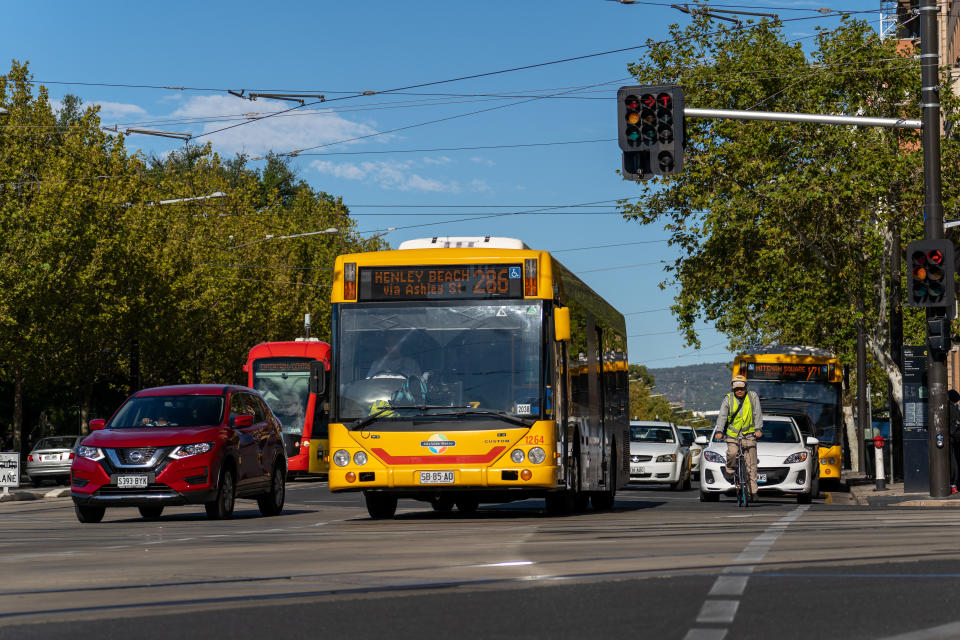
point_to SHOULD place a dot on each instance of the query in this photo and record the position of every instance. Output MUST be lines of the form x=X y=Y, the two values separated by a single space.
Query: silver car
x=51 y=458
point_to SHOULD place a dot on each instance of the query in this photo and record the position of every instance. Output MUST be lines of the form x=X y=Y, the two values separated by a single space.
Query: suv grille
x=114 y=490
x=137 y=455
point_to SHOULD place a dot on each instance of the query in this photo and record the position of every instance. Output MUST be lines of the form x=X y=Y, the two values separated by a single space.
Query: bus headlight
x=360 y=458
x=828 y=461
x=517 y=456
x=537 y=455
x=669 y=457
x=341 y=458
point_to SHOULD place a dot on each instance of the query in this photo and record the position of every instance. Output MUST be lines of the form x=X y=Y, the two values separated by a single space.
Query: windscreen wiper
x=503 y=415
x=373 y=417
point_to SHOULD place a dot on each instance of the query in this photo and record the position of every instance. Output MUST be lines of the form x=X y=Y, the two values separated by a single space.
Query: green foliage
x=786 y=228
x=639 y=373
x=117 y=273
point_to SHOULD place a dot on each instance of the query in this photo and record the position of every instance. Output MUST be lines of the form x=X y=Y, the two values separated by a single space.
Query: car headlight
x=517 y=456
x=187 y=450
x=668 y=457
x=90 y=453
x=697 y=452
x=341 y=458
x=360 y=458
x=794 y=458
x=537 y=455
x=713 y=456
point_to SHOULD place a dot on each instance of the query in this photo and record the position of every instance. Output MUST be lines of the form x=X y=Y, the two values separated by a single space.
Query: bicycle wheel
x=743 y=491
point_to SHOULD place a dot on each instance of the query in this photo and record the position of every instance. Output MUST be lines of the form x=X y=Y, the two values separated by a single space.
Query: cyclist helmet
x=738 y=382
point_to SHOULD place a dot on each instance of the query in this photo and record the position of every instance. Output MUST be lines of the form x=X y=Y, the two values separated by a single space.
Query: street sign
x=9 y=471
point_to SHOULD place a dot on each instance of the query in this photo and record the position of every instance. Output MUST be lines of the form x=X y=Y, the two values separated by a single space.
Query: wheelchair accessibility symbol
x=514 y=272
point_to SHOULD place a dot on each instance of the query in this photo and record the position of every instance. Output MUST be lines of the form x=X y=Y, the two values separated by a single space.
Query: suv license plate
x=761 y=477
x=436 y=477
x=132 y=482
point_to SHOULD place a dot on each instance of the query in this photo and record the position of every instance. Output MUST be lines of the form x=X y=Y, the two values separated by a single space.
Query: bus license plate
x=761 y=477
x=132 y=482
x=436 y=477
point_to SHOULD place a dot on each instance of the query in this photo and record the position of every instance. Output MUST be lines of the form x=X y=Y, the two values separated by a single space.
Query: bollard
x=878 y=464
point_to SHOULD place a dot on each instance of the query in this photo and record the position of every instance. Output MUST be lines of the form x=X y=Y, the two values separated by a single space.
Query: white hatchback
x=658 y=455
x=786 y=463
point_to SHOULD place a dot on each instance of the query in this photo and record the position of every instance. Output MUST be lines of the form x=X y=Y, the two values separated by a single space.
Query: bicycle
x=740 y=480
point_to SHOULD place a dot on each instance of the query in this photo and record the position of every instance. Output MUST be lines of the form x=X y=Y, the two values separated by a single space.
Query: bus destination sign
x=441 y=282
x=788 y=371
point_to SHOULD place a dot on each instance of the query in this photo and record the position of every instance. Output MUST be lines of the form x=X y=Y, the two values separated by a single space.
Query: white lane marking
x=705 y=634
x=943 y=632
x=517 y=563
x=729 y=586
x=718 y=611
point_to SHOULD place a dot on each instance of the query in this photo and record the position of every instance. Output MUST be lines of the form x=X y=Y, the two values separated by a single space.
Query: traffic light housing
x=930 y=274
x=650 y=130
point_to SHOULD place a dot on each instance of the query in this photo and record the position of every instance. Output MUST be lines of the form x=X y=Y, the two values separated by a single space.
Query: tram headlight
x=537 y=455
x=360 y=458
x=517 y=456
x=341 y=458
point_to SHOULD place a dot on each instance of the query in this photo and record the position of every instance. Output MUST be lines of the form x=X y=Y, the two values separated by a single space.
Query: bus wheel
x=381 y=506
x=468 y=504
x=603 y=500
x=442 y=504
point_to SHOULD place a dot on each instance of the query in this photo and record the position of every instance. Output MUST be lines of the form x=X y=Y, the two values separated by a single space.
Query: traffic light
x=650 y=130
x=930 y=274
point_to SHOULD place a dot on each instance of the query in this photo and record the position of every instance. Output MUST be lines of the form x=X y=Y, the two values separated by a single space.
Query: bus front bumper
x=417 y=480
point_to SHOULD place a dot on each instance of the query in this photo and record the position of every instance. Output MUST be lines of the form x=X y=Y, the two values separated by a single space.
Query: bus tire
x=443 y=504
x=467 y=504
x=558 y=503
x=381 y=506
x=603 y=500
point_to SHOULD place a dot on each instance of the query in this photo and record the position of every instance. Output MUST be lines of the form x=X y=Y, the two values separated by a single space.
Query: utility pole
x=863 y=420
x=896 y=350
x=933 y=230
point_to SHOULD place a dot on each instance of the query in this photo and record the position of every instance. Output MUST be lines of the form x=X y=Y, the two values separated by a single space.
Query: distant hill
x=699 y=387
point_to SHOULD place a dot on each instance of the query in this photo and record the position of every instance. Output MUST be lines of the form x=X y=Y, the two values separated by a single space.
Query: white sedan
x=786 y=463
x=658 y=456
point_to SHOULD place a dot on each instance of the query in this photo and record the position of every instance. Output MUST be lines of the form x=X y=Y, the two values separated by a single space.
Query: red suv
x=191 y=444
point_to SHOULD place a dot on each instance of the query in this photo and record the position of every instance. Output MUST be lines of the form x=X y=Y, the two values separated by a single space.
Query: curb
x=21 y=496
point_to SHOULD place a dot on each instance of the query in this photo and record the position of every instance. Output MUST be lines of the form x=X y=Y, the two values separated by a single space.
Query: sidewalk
x=863 y=492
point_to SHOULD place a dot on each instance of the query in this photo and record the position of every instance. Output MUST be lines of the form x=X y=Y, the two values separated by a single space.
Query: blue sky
x=343 y=48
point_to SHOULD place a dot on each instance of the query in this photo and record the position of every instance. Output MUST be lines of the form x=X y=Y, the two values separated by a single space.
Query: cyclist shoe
x=753 y=497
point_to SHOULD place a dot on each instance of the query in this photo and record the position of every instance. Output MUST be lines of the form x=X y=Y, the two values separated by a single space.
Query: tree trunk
x=86 y=394
x=852 y=443
x=18 y=408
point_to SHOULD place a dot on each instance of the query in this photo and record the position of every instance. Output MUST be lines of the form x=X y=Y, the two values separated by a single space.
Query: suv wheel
x=271 y=504
x=151 y=512
x=221 y=508
x=89 y=514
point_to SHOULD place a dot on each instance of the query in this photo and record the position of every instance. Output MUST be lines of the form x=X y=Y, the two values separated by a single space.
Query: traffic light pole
x=939 y=426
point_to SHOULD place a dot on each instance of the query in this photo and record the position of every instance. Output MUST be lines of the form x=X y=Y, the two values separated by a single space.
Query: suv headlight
x=341 y=458
x=90 y=453
x=794 y=458
x=668 y=457
x=187 y=450
x=713 y=456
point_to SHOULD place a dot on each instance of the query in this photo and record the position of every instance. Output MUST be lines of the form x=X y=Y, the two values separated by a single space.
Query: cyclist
x=741 y=416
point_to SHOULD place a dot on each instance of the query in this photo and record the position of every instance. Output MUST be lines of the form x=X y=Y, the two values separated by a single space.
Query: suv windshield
x=437 y=356
x=169 y=411
x=285 y=384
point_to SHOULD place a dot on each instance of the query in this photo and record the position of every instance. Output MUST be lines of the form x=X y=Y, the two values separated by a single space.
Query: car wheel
x=292 y=475
x=709 y=497
x=381 y=506
x=468 y=504
x=88 y=514
x=36 y=482
x=815 y=488
x=221 y=507
x=686 y=482
x=804 y=498
x=271 y=504
x=151 y=512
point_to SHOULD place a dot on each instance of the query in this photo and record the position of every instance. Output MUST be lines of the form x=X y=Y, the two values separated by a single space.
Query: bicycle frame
x=740 y=478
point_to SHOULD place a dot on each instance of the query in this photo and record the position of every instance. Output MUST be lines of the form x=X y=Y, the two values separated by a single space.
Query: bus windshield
x=285 y=384
x=819 y=400
x=468 y=355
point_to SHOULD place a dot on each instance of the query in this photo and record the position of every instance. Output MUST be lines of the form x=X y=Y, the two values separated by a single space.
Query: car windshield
x=285 y=384
x=705 y=431
x=644 y=433
x=169 y=411
x=779 y=431
x=59 y=442
x=686 y=435
x=435 y=356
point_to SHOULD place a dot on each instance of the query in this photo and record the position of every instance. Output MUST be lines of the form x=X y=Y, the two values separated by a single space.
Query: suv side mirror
x=318 y=378
x=97 y=423
x=812 y=442
x=701 y=440
x=242 y=420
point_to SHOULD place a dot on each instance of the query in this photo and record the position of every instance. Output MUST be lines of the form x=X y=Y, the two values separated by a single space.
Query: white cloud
x=397 y=176
x=306 y=127
x=483 y=161
x=119 y=109
x=437 y=160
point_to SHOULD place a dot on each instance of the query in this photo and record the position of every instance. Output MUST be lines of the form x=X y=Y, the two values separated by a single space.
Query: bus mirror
x=318 y=378
x=561 y=323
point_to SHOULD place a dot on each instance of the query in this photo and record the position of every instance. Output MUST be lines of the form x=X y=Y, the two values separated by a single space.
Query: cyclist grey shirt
x=754 y=406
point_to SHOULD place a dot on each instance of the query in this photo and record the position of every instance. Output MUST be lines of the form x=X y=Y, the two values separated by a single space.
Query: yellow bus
x=470 y=370
x=793 y=379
